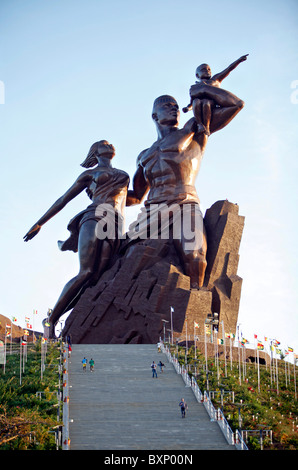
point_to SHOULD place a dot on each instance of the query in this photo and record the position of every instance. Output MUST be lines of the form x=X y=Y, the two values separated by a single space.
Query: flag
x=14 y=319
x=27 y=319
x=220 y=341
x=8 y=333
x=227 y=335
x=244 y=340
x=265 y=338
x=196 y=325
x=35 y=312
x=43 y=340
x=276 y=343
x=26 y=332
x=290 y=349
x=260 y=346
x=29 y=326
x=47 y=324
x=208 y=329
x=278 y=351
x=255 y=336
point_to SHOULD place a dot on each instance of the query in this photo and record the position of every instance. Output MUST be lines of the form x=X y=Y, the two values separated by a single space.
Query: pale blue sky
x=79 y=71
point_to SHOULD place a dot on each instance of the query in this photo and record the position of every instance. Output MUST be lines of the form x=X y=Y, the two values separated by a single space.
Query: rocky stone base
x=130 y=300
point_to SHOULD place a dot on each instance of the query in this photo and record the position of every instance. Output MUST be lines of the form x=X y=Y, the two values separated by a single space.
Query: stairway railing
x=215 y=415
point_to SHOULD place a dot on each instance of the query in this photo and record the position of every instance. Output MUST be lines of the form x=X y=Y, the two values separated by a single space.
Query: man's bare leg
x=192 y=251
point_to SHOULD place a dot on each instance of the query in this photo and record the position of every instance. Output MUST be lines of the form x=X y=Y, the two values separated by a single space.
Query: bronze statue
x=202 y=108
x=168 y=169
x=107 y=187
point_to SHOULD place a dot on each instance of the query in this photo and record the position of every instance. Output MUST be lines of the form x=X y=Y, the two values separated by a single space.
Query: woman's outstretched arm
x=80 y=184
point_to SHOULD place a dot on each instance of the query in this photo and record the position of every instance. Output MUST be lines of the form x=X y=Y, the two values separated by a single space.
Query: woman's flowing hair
x=91 y=159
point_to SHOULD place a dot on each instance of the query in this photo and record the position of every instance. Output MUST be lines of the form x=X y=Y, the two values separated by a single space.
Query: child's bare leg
x=197 y=111
x=206 y=107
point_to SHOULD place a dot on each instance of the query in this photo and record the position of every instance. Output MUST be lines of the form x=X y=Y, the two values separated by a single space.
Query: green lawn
x=28 y=419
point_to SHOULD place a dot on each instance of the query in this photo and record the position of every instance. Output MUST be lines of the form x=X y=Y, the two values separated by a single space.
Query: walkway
x=120 y=406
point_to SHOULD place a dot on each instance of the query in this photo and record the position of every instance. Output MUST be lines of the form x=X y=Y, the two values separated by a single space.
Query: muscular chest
x=170 y=158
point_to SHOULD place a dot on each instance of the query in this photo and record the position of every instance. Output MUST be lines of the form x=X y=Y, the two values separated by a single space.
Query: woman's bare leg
x=89 y=250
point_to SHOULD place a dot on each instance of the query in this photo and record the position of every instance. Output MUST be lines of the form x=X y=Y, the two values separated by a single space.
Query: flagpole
x=271 y=363
x=244 y=360
x=224 y=340
x=33 y=327
x=24 y=352
x=231 y=353
x=255 y=350
x=294 y=375
x=41 y=359
x=277 y=387
x=172 y=324
x=258 y=370
x=186 y=342
x=194 y=340
x=20 y=360
x=205 y=347
x=217 y=357
x=4 y=351
x=10 y=337
x=239 y=363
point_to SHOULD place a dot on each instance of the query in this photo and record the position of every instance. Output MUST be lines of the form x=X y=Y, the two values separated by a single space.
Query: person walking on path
x=91 y=363
x=153 y=367
x=161 y=365
x=84 y=362
x=183 y=407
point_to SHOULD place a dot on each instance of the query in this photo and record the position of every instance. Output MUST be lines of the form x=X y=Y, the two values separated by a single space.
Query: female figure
x=107 y=188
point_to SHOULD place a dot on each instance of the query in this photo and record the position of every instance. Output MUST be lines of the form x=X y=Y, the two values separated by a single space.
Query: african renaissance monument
x=173 y=266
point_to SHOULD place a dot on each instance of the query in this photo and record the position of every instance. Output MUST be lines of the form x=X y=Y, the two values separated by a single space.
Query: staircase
x=119 y=406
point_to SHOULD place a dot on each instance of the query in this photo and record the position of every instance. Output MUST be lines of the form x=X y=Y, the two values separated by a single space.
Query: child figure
x=202 y=108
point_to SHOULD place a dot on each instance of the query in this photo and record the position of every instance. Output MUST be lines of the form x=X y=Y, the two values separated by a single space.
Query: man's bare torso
x=171 y=166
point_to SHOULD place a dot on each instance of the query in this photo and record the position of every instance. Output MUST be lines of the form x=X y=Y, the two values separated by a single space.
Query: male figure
x=168 y=169
x=183 y=407
x=84 y=362
x=153 y=367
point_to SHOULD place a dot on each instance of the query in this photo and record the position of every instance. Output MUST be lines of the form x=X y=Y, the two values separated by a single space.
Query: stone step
x=119 y=406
